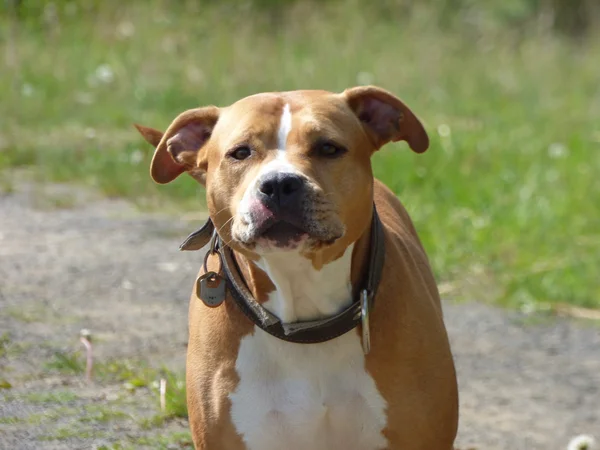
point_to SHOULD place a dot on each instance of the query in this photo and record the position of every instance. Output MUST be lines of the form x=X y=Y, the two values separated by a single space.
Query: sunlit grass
x=507 y=200
x=66 y=363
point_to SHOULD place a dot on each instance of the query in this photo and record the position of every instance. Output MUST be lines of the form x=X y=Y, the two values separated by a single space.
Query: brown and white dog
x=290 y=190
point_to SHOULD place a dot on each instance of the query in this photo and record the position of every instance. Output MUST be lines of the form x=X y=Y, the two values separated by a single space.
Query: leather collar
x=306 y=332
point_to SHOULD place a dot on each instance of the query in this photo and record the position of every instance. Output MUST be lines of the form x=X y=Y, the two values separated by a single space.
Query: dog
x=315 y=322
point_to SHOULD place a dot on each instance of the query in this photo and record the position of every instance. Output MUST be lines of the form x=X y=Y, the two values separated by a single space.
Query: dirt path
x=105 y=267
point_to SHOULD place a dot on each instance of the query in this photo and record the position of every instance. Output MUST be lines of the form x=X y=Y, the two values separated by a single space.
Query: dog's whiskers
x=220 y=211
x=226 y=222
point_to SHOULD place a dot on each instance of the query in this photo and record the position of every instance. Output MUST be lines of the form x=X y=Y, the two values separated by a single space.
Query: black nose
x=281 y=189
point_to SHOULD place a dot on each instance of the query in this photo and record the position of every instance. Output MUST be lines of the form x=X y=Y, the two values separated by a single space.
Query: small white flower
x=27 y=90
x=557 y=150
x=194 y=74
x=84 y=332
x=528 y=307
x=444 y=130
x=125 y=29
x=480 y=222
x=90 y=133
x=544 y=307
x=477 y=269
x=364 y=78
x=127 y=285
x=136 y=157
x=105 y=74
x=582 y=442
x=113 y=396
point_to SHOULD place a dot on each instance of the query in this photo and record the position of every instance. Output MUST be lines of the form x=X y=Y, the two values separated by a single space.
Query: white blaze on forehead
x=285 y=126
x=280 y=164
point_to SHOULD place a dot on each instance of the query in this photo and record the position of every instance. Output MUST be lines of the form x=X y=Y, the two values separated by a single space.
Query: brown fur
x=410 y=359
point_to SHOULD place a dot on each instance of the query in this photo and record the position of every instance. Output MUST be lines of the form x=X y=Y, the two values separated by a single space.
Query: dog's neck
x=296 y=288
x=301 y=291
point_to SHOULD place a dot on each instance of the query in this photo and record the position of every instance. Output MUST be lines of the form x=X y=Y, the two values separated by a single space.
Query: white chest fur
x=306 y=396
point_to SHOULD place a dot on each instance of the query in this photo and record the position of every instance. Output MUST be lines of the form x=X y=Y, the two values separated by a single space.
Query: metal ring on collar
x=213 y=251
x=213 y=242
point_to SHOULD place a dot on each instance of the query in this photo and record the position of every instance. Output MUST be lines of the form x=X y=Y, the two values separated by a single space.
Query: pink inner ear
x=381 y=117
x=189 y=138
x=178 y=149
x=168 y=165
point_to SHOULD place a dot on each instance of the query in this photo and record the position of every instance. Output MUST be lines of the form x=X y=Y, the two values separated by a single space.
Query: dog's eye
x=240 y=153
x=330 y=150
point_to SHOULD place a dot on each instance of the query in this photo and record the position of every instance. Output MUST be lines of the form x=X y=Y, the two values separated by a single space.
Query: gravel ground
x=525 y=383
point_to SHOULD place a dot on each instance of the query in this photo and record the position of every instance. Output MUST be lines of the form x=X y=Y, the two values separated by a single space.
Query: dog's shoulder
x=393 y=214
x=404 y=254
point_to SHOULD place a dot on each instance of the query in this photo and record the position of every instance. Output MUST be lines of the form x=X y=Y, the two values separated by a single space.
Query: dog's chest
x=313 y=396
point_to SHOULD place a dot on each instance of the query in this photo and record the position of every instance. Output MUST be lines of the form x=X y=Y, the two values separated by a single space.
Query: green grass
x=175 y=396
x=66 y=363
x=5 y=342
x=69 y=432
x=136 y=374
x=180 y=440
x=10 y=420
x=56 y=397
x=133 y=375
x=507 y=200
x=102 y=413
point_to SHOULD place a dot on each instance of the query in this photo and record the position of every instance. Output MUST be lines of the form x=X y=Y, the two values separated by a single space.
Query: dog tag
x=211 y=289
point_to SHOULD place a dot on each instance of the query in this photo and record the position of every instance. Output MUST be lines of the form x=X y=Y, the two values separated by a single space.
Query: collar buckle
x=214 y=242
x=365 y=300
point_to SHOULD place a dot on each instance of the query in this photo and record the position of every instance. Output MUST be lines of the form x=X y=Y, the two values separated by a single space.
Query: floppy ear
x=177 y=149
x=385 y=118
x=151 y=135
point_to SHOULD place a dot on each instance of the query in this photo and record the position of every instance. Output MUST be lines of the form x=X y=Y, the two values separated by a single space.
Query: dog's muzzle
x=285 y=210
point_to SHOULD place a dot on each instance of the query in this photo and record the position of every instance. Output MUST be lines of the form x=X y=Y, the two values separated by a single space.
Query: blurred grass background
x=507 y=200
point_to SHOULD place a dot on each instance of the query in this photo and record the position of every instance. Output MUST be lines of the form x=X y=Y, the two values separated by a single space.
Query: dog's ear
x=385 y=118
x=177 y=149
x=151 y=135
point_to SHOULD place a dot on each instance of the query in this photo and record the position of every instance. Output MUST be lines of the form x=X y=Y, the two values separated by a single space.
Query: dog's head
x=286 y=171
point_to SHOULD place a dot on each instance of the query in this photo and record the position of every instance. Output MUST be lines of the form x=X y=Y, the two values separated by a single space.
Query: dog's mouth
x=288 y=235
x=283 y=232
x=263 y=229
